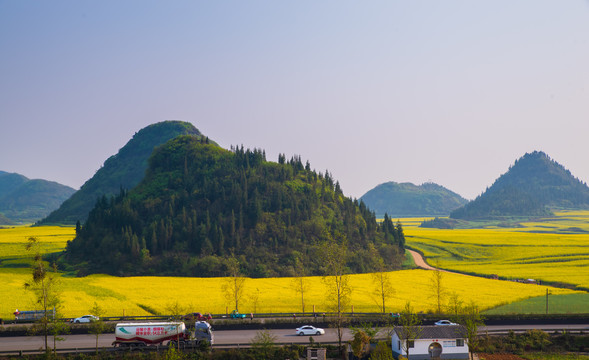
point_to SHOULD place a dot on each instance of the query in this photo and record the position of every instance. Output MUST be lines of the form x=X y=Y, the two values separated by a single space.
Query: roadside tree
x=234 y=285
x=97 y=327
x=334 y=256
x=300 y=283
x=472 y=319
x=438 y=289
x=410 y=326
x=44 y=285
x=383 y=289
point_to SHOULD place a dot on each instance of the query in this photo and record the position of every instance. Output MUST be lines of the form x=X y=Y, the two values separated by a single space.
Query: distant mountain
x=10 y=182
x=407 y=199
x=123 y=170
x=26 y=201
x=531 y=187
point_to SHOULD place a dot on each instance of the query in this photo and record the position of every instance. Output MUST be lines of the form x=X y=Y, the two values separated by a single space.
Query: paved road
x=222 y=337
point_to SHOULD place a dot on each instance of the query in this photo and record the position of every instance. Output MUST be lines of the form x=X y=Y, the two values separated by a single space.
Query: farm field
x=562 y=304
x=144 y=295
x=132 y=295
x=553 y=250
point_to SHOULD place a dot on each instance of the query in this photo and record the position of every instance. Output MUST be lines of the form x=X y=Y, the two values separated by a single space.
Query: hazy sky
x=446 y=91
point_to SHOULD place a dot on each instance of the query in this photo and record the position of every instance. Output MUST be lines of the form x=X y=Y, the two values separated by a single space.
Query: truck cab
x=203 y=331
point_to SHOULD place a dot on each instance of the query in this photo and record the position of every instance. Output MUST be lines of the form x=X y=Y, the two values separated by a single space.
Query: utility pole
x=547 y=293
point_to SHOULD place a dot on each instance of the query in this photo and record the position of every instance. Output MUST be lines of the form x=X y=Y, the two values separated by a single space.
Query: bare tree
x=44 y=284
x=454 y=306
x=410 y=328
x=383 y=288
x=255 y=299
x=176 y=310
x=334 y=255
x=300 y=283
x=439 y=291
x=234 y=285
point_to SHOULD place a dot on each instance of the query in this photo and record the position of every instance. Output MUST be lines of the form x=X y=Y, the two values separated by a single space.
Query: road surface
x=244 y=337
x=222 y=337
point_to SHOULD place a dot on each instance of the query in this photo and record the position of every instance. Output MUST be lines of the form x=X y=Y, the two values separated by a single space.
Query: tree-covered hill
x=25 y=201
x=201 y=206
x=531 y=187
x=406 y=199
x=125 y=169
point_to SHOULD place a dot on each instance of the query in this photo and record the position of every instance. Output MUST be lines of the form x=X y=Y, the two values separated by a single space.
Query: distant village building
x=433 y=342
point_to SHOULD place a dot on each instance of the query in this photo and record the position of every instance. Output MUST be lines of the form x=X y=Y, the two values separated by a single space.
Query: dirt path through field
x=419 y=261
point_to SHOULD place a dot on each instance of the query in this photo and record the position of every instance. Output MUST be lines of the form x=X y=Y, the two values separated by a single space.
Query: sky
x=451 y=92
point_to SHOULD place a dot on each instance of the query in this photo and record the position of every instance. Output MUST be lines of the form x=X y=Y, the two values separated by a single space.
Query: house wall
x=421 y=349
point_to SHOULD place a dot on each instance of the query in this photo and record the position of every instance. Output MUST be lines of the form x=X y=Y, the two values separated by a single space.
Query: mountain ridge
x=24 y=200
x=124 y=170
x=407 y=199
x=533 y=185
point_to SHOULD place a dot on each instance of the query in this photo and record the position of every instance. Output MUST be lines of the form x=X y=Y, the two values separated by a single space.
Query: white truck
x=141 y=334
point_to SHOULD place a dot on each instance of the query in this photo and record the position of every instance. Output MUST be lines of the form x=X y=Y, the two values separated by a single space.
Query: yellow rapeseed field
x=127 y=295
x=551 y=250
x=133 y=295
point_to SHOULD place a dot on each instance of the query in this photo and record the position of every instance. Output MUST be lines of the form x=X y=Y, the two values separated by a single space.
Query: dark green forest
x=200 y=205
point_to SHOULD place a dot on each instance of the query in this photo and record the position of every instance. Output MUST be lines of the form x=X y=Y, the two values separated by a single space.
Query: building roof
x=435 y=332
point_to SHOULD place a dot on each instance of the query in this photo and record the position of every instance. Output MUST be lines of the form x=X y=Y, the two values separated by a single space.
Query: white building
x=433 y=342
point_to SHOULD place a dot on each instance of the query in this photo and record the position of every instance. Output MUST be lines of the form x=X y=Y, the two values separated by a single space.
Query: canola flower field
x=554 y=250
x=145 y=295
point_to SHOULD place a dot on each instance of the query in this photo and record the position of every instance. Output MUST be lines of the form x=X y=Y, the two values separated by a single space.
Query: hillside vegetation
x=123 y=170
x=25 y=201
x=200 y=206
x=530 y=188
x=407 y=199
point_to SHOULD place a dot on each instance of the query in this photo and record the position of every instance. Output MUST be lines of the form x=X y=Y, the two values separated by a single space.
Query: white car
x=85 y=319
x=309 y=330
x=445 y=322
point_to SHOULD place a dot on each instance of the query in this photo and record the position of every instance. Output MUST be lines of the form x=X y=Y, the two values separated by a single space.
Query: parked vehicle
x=33 y=314
x=309 y=330
x=197 y=316
x=156 y=333
x=236 y=315
x=444 y=322
x=85 y=319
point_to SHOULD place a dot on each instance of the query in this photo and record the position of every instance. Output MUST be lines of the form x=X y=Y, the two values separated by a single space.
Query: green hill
x=123 y=170
x=531 y=187
x=200 y=205
x=406 y=200
x=10 y=182
x=26 y=201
